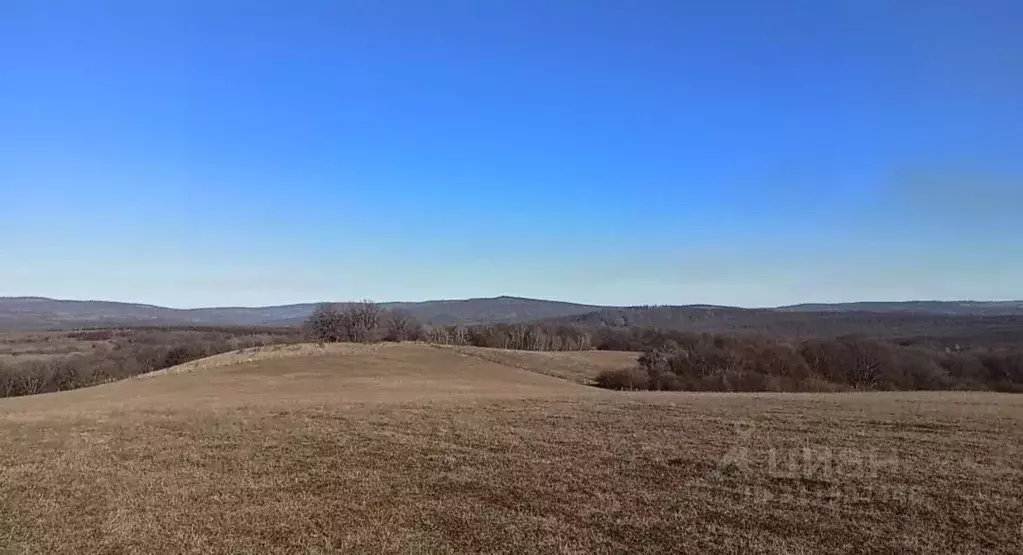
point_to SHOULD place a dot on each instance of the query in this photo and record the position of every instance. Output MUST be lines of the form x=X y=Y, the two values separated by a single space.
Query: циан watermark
x=811 y=473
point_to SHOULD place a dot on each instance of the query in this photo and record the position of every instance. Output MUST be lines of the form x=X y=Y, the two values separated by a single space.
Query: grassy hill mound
x=338 y=373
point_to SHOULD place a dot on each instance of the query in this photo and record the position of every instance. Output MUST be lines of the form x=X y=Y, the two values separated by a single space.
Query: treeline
x=367 y=322
x=706 y=362
x=123 y=353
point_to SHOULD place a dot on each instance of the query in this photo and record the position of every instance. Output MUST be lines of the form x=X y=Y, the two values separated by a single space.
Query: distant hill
x=793 y=324
x=975 y=308
x=490 y=310
x=34 y=313
x=988 y=322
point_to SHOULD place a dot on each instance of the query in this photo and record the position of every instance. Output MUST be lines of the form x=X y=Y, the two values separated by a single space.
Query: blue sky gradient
x=193 y=153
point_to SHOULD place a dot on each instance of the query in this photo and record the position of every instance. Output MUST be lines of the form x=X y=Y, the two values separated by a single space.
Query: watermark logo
x=813 y=473
x=738 y=457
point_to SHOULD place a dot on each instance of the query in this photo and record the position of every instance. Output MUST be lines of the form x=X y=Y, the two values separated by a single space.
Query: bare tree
x=363 y=321
x=458 y=335
x=8 y=381
x=33 y=377
x=435 y=334
x=517 y=338
x=327 y=323
x=401 y=326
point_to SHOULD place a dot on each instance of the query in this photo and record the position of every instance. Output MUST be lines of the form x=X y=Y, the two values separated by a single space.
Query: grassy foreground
x=412 y=448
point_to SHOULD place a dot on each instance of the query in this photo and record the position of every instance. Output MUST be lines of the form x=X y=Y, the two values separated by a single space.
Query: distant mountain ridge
x=975 y=308
x=794 y=324
x=35 y=313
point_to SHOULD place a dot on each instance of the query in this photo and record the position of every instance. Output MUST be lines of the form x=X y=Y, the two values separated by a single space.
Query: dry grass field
x=412 y=448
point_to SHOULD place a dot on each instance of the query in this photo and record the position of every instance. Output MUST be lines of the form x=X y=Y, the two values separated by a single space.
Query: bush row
x=366 y=322
x=704 y=362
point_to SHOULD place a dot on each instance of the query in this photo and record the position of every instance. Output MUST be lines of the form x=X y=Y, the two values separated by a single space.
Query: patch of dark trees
x=367 y=322
x=714 y=362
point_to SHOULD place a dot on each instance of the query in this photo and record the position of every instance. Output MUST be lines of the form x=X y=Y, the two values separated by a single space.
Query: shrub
x=625 y=378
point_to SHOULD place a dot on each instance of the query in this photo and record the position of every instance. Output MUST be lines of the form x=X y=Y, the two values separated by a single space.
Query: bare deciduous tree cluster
x=727 y=363
x=367 y=322
x=363 y=322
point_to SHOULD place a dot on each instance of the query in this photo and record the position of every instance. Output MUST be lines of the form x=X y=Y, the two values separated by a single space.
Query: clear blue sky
x=753 y=153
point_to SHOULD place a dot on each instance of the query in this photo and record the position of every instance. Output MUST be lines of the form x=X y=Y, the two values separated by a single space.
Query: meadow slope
x=413 y=448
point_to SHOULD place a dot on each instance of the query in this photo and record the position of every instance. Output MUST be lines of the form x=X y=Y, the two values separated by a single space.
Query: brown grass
x=411 y=448
x=577 y=366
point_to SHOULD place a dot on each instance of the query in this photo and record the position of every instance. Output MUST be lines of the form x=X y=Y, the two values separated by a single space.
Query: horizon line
x=538 y=299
